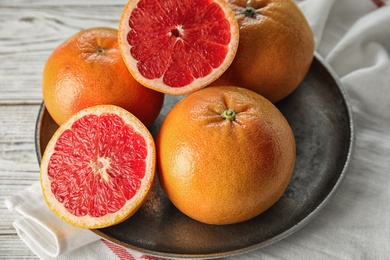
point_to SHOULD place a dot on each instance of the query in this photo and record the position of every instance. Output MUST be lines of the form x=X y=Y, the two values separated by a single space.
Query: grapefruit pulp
x=177 y=47
x=98 y=167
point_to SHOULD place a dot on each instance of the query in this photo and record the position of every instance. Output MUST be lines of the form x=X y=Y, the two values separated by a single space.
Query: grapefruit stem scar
x=249 y=11
x=229 y=114
x=100 y=50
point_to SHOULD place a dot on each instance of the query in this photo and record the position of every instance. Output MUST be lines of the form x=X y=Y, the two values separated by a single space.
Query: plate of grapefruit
x=321 y=121
x=197 y=129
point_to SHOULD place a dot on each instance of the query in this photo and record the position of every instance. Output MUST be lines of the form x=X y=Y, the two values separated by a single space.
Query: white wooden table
x=29 y=31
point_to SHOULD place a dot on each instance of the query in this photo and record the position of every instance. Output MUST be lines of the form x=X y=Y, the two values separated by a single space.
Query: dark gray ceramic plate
x=321 y=120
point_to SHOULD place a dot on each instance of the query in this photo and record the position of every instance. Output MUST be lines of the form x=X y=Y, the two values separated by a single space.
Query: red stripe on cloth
x=379 y=3
x=120 y=252
x=123 y=254
x=148 y=257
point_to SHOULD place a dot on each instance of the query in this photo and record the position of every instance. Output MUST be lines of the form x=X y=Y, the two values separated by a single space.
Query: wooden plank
x=14 y=248
x=18 y=162
x=30 y=30
x=17 y=129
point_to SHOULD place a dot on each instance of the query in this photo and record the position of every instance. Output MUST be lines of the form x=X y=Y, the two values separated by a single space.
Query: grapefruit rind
x=244 y=172
x=132 y=205
x=157 y=83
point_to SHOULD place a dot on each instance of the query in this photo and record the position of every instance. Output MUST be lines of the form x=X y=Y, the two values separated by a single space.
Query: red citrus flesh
x=177 y=46
x=98 y=165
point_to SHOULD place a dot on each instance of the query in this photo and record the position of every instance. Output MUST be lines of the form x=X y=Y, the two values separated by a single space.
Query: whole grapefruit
x=276 y=48
x=224 y=154
x=88 y=70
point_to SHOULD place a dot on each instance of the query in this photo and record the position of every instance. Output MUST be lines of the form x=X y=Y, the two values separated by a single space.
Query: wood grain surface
x=29 y=32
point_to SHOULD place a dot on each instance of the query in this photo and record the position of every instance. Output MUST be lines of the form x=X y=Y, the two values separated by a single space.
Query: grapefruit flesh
x=98 y=167
x=177 y=47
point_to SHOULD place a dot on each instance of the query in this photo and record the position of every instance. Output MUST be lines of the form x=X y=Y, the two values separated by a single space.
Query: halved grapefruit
x=177 y=47
x=98 y=167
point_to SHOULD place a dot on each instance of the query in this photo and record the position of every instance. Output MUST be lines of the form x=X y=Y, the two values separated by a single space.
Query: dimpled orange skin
x=88 y=70
x=219 y=171
x=276 y=48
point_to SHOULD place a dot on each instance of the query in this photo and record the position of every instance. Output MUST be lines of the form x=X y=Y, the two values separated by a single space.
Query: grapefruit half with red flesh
x=98 y=167
x=177 y=47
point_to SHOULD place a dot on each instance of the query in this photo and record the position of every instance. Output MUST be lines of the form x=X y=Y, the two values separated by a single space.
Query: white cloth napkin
x=40 y=229
x=49 y=237
x=353 y=36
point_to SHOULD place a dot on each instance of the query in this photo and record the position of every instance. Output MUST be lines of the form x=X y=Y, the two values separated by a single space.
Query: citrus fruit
x=98 y=167
x=177 y=47
x=276 y=48
x=224 y=154
x=88 y=70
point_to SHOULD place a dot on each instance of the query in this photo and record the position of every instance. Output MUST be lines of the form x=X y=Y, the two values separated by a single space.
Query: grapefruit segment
x=177 y=47
x=98 y=167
